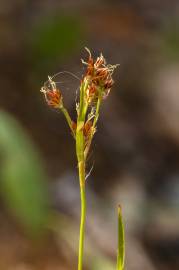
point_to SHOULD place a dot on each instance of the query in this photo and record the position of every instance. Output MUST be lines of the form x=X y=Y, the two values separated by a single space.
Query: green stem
x=81 y=167
x=83 y=214
x=97 y=111
x=68 y=118
x=93 y=126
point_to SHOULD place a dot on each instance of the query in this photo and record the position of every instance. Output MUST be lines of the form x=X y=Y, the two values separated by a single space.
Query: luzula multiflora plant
x=95 y=86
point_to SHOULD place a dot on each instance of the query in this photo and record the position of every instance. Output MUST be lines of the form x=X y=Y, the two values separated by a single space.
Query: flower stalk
x=68 y=119
x=81 y=168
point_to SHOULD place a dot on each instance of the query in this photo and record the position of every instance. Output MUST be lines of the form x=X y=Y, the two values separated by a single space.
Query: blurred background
x=135 y=154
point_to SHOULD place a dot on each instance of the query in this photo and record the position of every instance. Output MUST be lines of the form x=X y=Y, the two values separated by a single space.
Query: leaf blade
x=121 y=242
x=23 y=181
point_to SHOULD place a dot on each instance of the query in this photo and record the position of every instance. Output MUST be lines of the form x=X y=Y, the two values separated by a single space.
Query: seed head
x=99 y=75
x=52 y=95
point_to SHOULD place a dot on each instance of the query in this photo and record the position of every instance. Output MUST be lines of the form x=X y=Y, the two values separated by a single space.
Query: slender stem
x=83 y=214
x=97 y=111
x=81 y=167
x=83 y=104
x=93 y=126
x=68 y=118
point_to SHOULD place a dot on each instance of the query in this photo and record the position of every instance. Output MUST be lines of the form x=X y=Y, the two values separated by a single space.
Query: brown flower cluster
x=99 y=75
x=52 y=95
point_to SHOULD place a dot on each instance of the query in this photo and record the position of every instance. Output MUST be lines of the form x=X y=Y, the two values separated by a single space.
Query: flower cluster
x=95 y=86
x=52 y=95
x=99 y=75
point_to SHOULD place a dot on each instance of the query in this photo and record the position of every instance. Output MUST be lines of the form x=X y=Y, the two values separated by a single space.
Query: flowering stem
x=95 y=84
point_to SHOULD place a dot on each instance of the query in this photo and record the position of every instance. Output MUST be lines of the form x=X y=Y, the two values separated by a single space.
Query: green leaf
x=121 y=242
x=23 y=183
